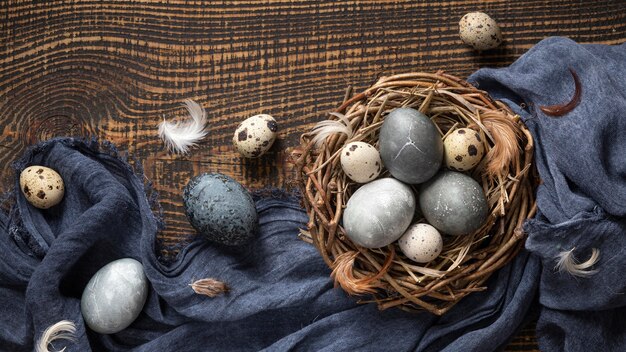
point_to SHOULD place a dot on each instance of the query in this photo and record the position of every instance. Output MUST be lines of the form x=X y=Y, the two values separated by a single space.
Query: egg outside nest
x=220 y=209
x=42 y=186
x=255 y=135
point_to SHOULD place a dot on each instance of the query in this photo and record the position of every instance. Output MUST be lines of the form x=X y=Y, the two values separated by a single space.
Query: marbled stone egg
x=463 y=149
x=255 y=135
x=42 y=186
x=361 y=162
x=114 y=296
x=379 y=212
x=479 y=31
x=454 y=203
x=410 y=145
x=421 y=243
x=221 y=209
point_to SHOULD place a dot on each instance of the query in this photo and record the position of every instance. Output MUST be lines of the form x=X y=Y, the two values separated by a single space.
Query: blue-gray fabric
x=282 y=297
x=581 y=158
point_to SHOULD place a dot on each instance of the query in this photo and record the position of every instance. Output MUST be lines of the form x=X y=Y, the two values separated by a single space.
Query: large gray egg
x=379 y=212
x=114 y=296
x=221 y=209
x=454 y=203
x=410 y=145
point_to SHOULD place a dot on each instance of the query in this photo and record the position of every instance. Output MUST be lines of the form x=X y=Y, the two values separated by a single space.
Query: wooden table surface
x=114 y=69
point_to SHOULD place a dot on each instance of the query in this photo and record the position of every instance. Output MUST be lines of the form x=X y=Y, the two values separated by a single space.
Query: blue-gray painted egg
x=114 y=296
x=221 y=209
x=410 y=145
x=379 y=212
x=454 y=203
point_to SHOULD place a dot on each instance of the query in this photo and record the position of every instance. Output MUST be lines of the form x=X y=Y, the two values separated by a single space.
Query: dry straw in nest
x=466 y=262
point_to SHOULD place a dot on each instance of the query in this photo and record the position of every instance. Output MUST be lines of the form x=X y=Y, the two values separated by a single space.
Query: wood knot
x=55 y=126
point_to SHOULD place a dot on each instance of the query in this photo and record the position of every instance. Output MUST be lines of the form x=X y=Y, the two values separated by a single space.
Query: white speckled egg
x=42 y=186
x=255 y=135
x=114 y=296
x=479 y=31
x=463 y=149
x=421 y=243
x=361 y=162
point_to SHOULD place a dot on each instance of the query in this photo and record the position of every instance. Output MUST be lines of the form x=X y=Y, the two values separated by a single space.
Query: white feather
x=567 y=262
x=180 y=136
x=63 y=330
x=323 y=129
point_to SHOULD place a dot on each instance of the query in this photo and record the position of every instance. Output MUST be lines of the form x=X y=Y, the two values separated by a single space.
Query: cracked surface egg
x=361 y=162
x=410 y=145
x=479 y=31
x=255 y=135
x=421 y=243
x=463 y=149
x=42 y=186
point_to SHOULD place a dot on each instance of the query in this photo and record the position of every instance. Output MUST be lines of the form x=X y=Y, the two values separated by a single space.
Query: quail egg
x=255 y=135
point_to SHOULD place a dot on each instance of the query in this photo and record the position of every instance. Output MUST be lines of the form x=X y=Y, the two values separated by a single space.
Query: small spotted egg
x=42 y=186
x=463 y=149
x=421 y=243
x=361 y=162
x=255 y=135
x=479 y=31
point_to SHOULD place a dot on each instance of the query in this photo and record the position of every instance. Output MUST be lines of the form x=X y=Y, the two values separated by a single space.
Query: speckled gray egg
x=255 y=135
x=410 y=145
x=454 y=203
x=361 y=162
x=421 y=243
x=379 y=212
x=42 y=186
x=463 y=149
x=221 y=209
x=114 y=296
x=479 y=31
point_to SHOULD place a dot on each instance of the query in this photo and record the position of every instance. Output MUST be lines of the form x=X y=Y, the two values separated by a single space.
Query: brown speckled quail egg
x=42 y=186
x=361 y=162
x=421 y=243
x=255 y=135
x=463 y=149
x=479 y=31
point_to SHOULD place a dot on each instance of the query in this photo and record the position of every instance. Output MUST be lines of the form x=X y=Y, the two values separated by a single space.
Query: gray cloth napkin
x=581 y=158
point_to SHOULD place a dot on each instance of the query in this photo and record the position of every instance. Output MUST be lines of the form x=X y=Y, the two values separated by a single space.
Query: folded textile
x=281 y=297
x=581 y=158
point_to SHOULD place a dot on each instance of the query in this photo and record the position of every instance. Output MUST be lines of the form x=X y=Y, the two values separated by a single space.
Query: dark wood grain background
x=113 y=69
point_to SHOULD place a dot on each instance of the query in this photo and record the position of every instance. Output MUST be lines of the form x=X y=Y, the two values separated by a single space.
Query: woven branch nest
x=385 y=275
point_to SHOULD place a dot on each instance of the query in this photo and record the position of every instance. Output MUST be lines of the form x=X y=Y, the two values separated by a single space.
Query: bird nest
x=385 y=275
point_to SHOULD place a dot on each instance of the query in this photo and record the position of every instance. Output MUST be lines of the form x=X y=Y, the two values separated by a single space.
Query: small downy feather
x=567 y=262
x=325 y=128
x=63 y=330
x=209 y=287
x=180 y=136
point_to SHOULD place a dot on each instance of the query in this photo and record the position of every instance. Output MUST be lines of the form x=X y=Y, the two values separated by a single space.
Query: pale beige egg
x=42 y=186
x=479 y=31
x=463 y=149
x=421 y=243
x=255 y=135
x=361 y=162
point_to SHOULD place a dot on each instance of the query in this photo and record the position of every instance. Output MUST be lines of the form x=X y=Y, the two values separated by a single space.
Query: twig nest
x=480 y=31
x=42 y=187
x=454 y=203
x=221 y=209
x=360 y=250
x=410 y=145
x=379 y=212
x=421 y=243
x=463 y=149
x=361 y=162
x=255 y=135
